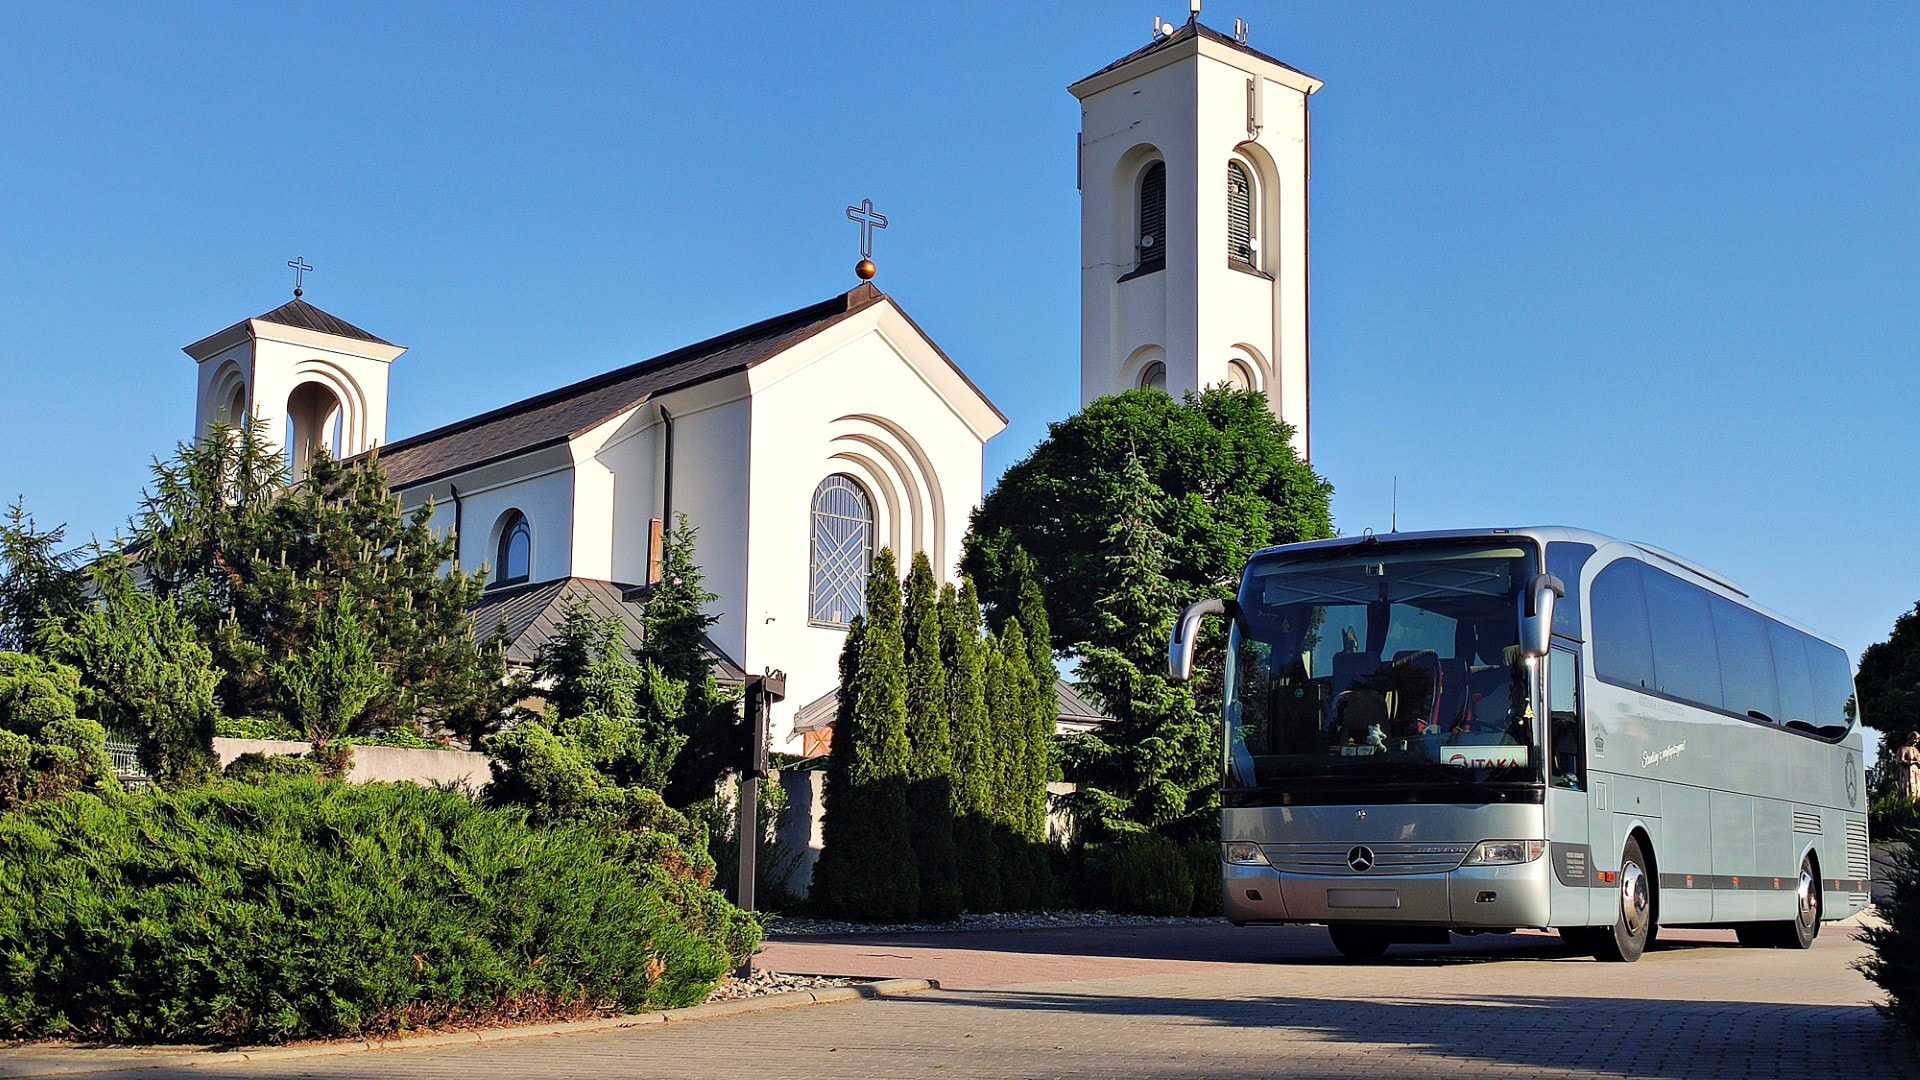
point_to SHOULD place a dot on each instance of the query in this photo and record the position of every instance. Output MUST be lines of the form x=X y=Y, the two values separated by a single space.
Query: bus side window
x=1568 y=735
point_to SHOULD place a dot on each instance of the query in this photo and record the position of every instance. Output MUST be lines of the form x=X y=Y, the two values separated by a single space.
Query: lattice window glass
x=1154 y=377
x=842 y=551
x=1152 y=241
x=515 y=562
x=1239 y=213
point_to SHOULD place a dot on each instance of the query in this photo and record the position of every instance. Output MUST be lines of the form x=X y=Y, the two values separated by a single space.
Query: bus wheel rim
x=1634 y=898
x=1809 y=899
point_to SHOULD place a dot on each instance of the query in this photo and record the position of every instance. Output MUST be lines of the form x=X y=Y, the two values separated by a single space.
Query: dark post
x=762 y=692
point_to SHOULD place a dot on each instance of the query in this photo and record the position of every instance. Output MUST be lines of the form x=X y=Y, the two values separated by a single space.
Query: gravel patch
x=765 y=983
x=786 y=927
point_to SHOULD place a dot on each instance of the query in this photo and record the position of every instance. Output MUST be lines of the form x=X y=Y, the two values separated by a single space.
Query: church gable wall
x=861 y=402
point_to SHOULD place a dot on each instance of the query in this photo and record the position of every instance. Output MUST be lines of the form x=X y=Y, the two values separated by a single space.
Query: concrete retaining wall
x=393 y=764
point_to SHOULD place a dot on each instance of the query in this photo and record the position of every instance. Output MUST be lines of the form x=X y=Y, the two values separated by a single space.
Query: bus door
x=1567 y=817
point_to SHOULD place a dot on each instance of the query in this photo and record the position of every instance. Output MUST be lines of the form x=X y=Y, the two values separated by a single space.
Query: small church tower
x=305 y=378
x=1193 y=220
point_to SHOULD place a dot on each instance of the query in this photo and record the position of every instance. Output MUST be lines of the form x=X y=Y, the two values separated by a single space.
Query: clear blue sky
x=1652 y=271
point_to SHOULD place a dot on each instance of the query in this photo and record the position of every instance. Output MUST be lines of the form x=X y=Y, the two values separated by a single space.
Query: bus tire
x=1359 y=942
x=1632 y=928
x=1797 y=932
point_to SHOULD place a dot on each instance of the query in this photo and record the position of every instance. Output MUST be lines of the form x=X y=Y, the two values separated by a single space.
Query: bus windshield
x=1401 y=666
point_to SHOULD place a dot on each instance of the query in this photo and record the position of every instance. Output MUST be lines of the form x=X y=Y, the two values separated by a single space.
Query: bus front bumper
x=1471 y=897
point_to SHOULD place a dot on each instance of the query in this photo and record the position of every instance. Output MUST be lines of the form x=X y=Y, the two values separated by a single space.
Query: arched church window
x=1240 y=234
x=1154 y=377
x=842 y=551
x=1239 y=376
x=1151 y=252
x=514 y=561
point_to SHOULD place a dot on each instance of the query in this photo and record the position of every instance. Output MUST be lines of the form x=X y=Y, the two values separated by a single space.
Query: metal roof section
x=531 y=616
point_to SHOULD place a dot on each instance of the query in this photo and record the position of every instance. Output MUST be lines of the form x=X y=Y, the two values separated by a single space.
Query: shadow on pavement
x=1651 y=1038
x=1224 y=944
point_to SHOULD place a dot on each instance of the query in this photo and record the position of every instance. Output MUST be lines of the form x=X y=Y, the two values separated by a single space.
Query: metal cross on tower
x=868 y=219
x=299 y=266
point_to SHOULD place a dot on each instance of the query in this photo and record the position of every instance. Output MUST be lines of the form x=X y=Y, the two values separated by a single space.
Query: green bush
x=1203 y=862
x=253 y=727
x=45 y=750
x=257 y=768
x=1894 y=963
x=299 y=909
x=1151 y=876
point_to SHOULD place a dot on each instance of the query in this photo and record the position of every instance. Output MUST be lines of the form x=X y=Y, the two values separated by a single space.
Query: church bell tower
x=1194 y=157
x=303 y=377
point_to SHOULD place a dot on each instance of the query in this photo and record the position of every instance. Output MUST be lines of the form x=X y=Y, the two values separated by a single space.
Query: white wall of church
x=539 y=485
x=848 y=402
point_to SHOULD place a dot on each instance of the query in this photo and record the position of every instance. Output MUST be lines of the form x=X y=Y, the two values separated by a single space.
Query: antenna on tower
x=1395 y=519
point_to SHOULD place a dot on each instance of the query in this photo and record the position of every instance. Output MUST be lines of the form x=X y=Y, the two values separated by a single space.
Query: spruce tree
x=1156 y=765
x=964 y=654
x=867 y=868
x=252 y=560
x=40 y=583
x=930 y=768
x=676 y=622
x=146 y=673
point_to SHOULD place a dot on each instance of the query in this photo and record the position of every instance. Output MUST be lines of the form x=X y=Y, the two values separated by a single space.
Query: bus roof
x=1545 y=534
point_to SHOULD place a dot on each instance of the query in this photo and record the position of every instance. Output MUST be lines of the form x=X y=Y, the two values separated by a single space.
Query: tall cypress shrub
x=930 y=766
x=965 y=655
x=867 y=870
x=1011 y=707
x=1042 y=714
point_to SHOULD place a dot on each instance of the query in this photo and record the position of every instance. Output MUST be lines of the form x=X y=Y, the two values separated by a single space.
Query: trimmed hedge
x=299 y=909
x=1151 y=875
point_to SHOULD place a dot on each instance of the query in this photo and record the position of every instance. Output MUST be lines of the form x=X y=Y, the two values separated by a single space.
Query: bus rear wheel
x=1632 y=928
x=1797 y=932
x=1359 y=942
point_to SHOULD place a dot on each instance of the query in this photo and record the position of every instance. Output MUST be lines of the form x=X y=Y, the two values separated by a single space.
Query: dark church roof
x=1193 y=28
x=296 y=313
x=558 y=415
x=1070 y=705
x=531 y=615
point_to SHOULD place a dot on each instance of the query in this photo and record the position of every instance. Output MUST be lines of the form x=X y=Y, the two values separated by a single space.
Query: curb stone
x=884 y=988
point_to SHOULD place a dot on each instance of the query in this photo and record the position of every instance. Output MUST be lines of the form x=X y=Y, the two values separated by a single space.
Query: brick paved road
x=1174 y=1004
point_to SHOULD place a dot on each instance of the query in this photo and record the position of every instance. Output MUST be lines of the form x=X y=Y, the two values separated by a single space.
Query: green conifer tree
x=867 y=868
x=965 y=656
x=1012 y=711
x=1156 y=765
x=676 y=622
x=930 y=769
x=146 y=673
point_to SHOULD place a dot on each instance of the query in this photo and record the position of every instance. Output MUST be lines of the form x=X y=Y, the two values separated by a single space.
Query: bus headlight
x=1244 y=853
x=1505 y=852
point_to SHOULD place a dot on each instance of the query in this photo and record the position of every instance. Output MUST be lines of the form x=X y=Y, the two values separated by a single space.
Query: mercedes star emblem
x=1360 y=859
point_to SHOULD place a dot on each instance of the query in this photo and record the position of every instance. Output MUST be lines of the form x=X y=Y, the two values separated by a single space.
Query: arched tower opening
x=315 y=422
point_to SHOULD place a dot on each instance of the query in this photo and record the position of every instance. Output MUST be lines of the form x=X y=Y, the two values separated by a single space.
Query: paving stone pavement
x=1180 y=1003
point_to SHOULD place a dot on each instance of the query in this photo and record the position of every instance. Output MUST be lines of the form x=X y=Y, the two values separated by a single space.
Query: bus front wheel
x=1359 y=942
x=1633 y=927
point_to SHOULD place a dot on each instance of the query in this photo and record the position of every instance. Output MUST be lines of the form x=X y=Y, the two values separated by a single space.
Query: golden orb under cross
x=865 y=269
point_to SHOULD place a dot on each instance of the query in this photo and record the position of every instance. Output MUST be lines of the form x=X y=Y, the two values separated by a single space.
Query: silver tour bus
x=1483 y=730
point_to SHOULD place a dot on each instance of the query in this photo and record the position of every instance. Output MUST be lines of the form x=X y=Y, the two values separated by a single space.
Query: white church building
x=801 y=444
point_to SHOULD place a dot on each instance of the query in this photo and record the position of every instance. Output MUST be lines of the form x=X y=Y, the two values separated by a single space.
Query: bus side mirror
x=1536 y=613
x=1186 y=634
